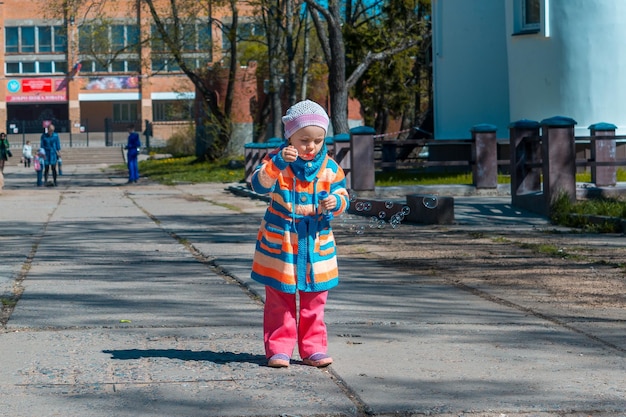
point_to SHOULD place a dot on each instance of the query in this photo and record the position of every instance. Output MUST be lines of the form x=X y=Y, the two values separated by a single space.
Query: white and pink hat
x=303 y=114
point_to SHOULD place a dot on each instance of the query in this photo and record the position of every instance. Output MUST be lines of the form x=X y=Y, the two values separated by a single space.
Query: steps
x=110 y=155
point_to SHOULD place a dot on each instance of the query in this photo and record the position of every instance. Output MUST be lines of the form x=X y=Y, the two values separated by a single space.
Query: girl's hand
x=329 y=203
x=290 y=153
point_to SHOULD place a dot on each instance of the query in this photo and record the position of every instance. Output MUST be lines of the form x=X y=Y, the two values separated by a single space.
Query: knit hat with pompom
x=303 y=114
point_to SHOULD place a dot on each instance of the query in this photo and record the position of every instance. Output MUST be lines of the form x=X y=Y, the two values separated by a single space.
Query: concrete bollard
x=342 y=155
x=525 y=156
x=559 y=159
x=363 y=171
x=485 y=156
x=330 y=146
x=442 y=214
x=254 y=154
x=603 y=149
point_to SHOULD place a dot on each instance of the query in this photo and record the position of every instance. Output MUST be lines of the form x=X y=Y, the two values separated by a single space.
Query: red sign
x=37 y=85
x=37 y=98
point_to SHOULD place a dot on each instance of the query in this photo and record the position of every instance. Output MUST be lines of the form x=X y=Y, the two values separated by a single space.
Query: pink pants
x=282 y=328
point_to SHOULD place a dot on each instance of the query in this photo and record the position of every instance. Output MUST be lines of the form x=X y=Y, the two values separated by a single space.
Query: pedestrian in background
x=133 y=146
x=295 y=252
x=5 y=151
x=27 y=154
x=52 y=146
x=38 y=163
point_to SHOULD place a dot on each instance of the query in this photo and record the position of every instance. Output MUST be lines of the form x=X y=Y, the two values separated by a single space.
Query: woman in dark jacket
x=4 y=150
x=52 y=145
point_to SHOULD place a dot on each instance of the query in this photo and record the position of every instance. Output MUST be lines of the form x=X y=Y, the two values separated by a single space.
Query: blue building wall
x=470 y=77
x=486 y=70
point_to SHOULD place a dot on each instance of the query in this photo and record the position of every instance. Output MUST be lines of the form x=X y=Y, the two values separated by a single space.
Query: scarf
x=307 y=170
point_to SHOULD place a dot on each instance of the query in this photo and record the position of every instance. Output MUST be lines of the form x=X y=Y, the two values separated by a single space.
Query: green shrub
x=183 y=142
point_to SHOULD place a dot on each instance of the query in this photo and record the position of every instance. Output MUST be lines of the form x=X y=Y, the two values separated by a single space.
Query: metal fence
x=114 y=134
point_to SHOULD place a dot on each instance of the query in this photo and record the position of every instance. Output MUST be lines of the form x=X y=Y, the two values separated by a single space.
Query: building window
x=109 y=48
x=245 y=32
x=45 y=67
x=192 y=38
x=27 y=43
x=194 y=43
x=172 y=110
x=118 y=66
x=28 y=68
x=531 y=14
x=34 y=39
x=36 y=67
x=110 y=39
x=44 y=38
x=12 y=40
x=125 y=112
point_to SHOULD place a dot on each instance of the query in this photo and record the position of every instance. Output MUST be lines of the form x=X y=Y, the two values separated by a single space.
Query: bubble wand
x=322 y=195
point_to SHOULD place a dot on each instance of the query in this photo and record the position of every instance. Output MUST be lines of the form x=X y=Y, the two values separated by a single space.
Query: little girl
x=295 y=252
x=38 y=163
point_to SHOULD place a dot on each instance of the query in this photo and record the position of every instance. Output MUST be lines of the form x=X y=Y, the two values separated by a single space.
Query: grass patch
x=418 y=177
x=587 y=214
x=188 y=169
x=8 y=302
x=422 y=177
x=549 y=250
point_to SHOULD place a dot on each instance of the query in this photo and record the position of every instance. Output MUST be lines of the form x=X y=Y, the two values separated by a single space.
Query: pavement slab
x=137 y=300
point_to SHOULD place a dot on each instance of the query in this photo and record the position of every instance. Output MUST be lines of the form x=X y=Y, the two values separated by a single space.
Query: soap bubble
x=352 y=195
x=430 y=201
x=388 y=204
x=406 y=210
x=359 y=206
x=382 y=214
x=367 y=206
x=360 y=229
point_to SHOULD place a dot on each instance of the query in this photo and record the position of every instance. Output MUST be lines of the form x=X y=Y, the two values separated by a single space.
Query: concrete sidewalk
x=136 y=301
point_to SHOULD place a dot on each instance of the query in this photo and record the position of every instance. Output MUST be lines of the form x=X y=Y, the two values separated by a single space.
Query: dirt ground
x=537 y=269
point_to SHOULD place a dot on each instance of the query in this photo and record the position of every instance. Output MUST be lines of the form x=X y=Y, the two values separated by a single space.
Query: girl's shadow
x=187 y=355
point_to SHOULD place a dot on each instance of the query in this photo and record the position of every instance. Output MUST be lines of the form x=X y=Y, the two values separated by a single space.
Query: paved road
x=136 y=301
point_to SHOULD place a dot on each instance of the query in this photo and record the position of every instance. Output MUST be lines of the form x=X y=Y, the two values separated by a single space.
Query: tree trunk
x=306 y=57
x=271 y=17
x=337 y=73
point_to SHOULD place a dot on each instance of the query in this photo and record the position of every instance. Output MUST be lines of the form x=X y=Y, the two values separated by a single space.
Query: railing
x=115 y=134
x=545 y=158
x=392 y=154
x=361 y=152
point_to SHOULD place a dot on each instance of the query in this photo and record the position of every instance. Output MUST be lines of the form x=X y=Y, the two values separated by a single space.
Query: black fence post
x=86 y=127
x=148 y=133
x=108 y=132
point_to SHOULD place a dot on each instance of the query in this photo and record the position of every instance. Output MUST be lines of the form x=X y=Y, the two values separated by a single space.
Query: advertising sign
x=35 y=90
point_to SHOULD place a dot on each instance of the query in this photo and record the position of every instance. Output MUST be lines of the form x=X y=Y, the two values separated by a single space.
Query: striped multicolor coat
x=295 y=247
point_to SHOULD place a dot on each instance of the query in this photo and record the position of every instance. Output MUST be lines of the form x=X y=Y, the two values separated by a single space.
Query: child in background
x=38 y=163
x=27 y=154
x=295 y=253
x=133 y=147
